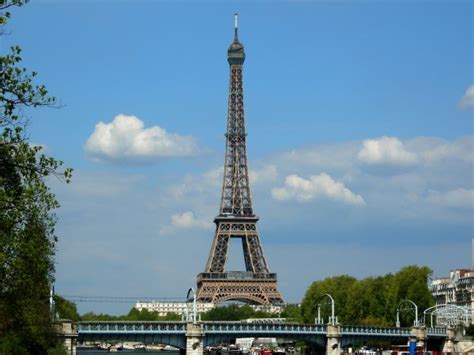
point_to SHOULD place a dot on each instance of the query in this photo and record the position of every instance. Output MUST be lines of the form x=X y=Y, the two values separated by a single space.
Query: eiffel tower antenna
x=236 y=27
x=236 y=218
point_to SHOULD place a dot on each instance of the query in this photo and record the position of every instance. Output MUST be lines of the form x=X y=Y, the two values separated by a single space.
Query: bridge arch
x=250 y=299
x=316 y=341
x=448 y=315
x=174 y=340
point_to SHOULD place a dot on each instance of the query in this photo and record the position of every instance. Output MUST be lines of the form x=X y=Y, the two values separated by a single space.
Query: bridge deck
x=124 y=327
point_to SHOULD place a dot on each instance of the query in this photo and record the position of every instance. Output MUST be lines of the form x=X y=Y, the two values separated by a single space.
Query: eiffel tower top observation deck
x=236 y=218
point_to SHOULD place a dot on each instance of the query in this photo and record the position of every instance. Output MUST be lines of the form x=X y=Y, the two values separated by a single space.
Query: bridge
x=193 y=337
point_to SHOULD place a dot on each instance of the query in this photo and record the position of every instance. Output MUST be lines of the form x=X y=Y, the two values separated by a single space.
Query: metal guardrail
x=271 y=328
x=131 y=327
x=366 y=330
x=436 y=331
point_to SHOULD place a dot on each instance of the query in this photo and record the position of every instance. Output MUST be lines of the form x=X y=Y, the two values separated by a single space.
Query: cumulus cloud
x=266 y=173
x=457 y=198
x=322 y=185
x=127 y=139
x=467 y=100
x=211 y=180
x=386 y=151
x=433 y=150
x=185 y=220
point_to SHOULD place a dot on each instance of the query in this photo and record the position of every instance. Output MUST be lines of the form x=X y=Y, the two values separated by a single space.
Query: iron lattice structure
x=236 y=218
x=449 y=315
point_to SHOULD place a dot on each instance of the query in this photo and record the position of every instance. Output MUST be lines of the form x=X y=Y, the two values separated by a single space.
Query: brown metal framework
x=236 y=218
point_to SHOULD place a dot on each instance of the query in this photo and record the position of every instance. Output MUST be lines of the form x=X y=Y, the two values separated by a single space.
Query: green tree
x=234 y=312
x=91 y=316
x=373 y=300
x=27 y=222
x=292 y=313
x=66 y=309
x=337 y=287
x=133 y=315
x=411 y=282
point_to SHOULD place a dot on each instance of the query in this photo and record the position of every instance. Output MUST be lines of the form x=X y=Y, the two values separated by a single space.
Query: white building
x=457 y=289
x=268 y=308
x=163 y=308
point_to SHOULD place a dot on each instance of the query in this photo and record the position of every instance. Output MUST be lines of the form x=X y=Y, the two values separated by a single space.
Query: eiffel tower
x=236 y=218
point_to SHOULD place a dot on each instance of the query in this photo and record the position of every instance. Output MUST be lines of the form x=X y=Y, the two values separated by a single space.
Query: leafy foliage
x=4 y=5
x=133 y=315
x=230 y=312
x=65 y=309
x=292 y=313
x=371 y=301
x=27 y=223
x=337 y=287
x=234 y=312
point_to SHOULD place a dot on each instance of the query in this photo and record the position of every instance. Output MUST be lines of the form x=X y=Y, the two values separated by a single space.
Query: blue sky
x=360 y=123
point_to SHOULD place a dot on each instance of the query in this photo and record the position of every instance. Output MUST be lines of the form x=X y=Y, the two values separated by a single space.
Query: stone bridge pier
x=333 y=335
x=194 y=339
x=66 y=330
x=420 y=333
x=448 y=346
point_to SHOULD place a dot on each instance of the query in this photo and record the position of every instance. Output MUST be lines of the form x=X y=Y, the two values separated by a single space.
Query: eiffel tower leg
x=247 y=259
x=218 y=254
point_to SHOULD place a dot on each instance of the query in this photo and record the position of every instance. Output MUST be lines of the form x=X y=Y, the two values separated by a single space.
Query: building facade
x=164 y=308
x=457 y=289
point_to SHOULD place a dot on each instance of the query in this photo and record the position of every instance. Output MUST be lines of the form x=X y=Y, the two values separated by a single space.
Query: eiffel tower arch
x=236 y=219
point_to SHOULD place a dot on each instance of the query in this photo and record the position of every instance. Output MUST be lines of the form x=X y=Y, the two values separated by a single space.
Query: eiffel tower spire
x=236 y=218
x=236 y=200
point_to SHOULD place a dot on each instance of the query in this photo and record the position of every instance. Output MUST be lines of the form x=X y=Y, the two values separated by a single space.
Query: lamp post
x=333 y=318
x=194 y=314
x=416 y=322
x=431 y=310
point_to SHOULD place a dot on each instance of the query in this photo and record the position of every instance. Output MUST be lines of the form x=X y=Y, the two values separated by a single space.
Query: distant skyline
x=360 y=137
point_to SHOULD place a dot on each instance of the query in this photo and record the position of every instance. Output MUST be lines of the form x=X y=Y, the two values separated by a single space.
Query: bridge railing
x=244 y=328
x=131 y=327
x=436 y=331
x=367 y=330
x=239 y=327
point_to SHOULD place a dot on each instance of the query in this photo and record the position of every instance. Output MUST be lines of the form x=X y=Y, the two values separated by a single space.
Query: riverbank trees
x=230 y=312
x=371 y=301
x=27 y=219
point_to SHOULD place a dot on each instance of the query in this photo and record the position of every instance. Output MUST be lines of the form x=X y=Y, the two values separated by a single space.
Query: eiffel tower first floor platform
x=218 y=287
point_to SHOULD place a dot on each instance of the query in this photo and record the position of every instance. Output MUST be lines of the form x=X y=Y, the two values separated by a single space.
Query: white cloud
x=210 y=182
x=458 y=198
x=98 y=185
x=324 y=185
x=127 y=139
x=385 y=151
x=335 y=156
x=185 y=220
x=267 y=173
x=467 y=101
x=432 y=150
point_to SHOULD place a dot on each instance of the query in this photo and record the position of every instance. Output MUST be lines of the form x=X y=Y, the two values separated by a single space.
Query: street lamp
x=194 y=314
x=416 y=322
x=333 y=318
x=431 y=311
